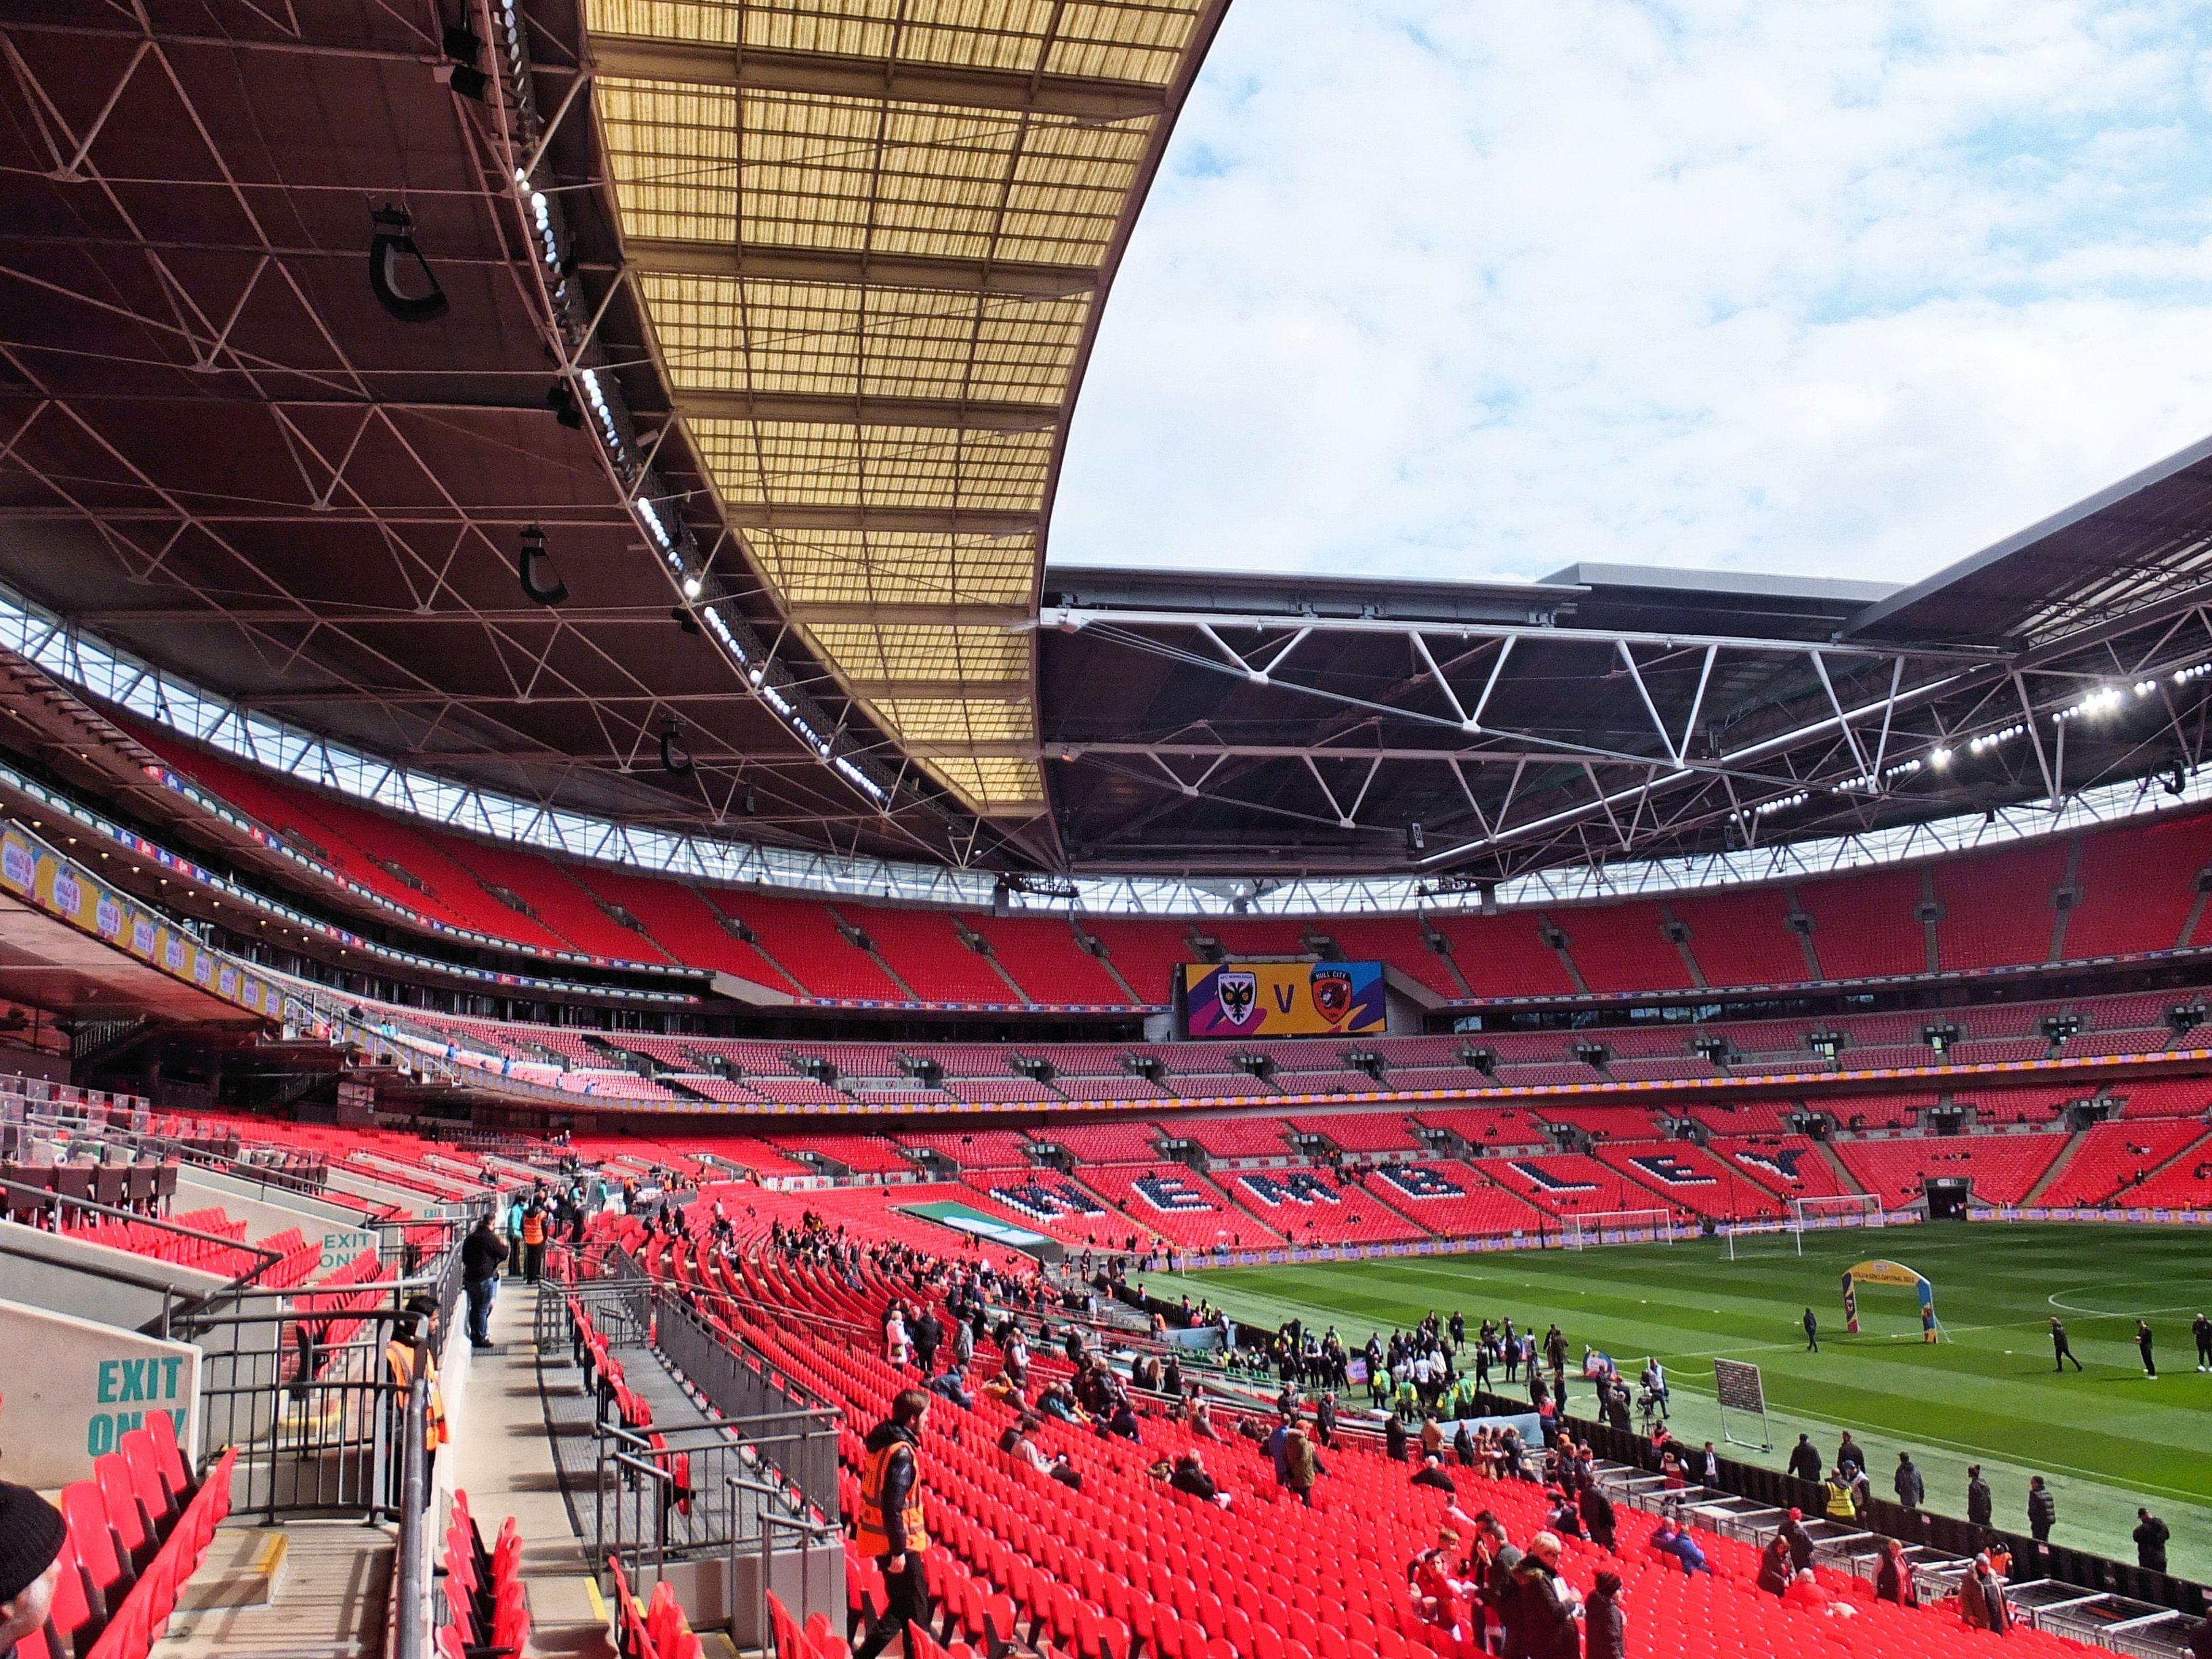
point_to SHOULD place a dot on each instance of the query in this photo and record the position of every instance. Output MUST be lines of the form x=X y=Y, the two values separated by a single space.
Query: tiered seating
x=1123 y=1142
x=1234 y=1137
x=803 y=936
x=138 y=1532
x=1050 y=1202
x=1620 y=947
x=2185 y=1183
x=1741 y=937
x=1398 y=941
x=1485 y=1127
x=558 y=901
x=2003 y=1168
x=1125 y=1560
x=210 y=1255
x=1145 y=953
x=484 y=1604
x=1454 y=1200
x=1505 y=956
x=923 y=948
x=1308 y=1206
x=1687 y=1177
x=972 y=1149
x=1041 y=955
x=2163 y=1097
x=1572 y=1183
x=862 y=1154
x=1358 y=1131
x=1998 y=907
x=2114 y=1157
x=1790 y=1166
x=1179 y=1205
x=1863 y=924
x=2137 y=886
x=683 y=923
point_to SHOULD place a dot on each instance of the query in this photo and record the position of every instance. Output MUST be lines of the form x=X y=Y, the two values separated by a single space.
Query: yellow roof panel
x=864 y=567
x=1108 y=41
x=853 y=402
x=874 y=466
x=826 y=339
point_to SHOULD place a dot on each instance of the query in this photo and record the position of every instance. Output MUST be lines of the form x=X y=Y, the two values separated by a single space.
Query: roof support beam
x=867 y=411
x=754 y=68
x=951 y=520
x=661 y=256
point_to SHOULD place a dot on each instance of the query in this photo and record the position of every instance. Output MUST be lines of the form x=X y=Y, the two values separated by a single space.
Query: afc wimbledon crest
x=1238 y=991
x=1332 y=992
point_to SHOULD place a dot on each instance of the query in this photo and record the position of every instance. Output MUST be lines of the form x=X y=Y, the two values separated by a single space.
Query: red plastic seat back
x=124 y=1512
x=146 y=1480
x=86 y=1511
x=168 y=1455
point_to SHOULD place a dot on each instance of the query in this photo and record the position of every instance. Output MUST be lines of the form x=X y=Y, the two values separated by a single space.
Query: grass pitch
x=2106 y=1440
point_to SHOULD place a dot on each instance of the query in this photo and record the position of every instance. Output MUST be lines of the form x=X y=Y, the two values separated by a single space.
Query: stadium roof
x=771 y=320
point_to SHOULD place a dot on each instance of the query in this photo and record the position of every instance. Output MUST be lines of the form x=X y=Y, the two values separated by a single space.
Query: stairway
x=1850 y=1182
x=2058 y=1166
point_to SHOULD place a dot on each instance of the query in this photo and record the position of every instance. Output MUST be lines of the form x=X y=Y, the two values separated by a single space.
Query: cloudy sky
x=1479 y=289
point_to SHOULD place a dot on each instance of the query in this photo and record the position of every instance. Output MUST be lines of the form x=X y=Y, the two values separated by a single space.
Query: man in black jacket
x=2061 y=1349
x=1605 y=1626
x=1431 y=1473
x=2201 y=1328
x=1804 y=1460
x=928 y=1336
x=2042 y=1510
x=2151 y=1536
x=1980 y=1508
x=481 y=1252
x=1597 y=1515
x=1908 y=1486
x=1799 y=1540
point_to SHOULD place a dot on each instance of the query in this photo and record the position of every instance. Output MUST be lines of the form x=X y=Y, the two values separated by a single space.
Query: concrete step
x=332 y=1602
x=244 y=1567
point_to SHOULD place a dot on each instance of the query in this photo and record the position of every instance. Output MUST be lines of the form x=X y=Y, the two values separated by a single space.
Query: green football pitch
x=2106 y=1440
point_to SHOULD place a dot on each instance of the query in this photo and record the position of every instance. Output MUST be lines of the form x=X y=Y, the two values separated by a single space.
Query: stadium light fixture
x=673 y=759
x=693 y=587
x=1939 y=757
x=541 y=583
x=391 y=244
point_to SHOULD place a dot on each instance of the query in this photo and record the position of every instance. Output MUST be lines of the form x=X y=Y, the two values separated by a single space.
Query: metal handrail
x=268 y=1258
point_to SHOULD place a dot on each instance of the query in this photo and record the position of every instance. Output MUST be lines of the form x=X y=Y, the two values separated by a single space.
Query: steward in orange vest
x=889 y=1525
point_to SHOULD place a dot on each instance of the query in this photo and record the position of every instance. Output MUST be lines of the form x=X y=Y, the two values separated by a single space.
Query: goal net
x=1840 y=1210
x=1579 y=1232
x=1786 y=1236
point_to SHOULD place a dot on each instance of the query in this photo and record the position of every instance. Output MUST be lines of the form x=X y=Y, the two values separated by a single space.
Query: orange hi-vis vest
x=870 y=1536
x=400 y=1356
x=533 y=1226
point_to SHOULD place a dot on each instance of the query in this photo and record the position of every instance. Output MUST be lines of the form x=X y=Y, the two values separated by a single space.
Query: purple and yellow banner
x=1284 y=999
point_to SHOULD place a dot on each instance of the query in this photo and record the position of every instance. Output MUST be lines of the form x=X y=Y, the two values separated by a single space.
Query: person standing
x=1605 y=1621
x=1805 y=1459
x=1301 y=1468
x=1547 y=1602
x=1812 y=1332
x=1981 y=1508
x=2042 y=1510
x=928 y=1333
x=481 y=1252
x=2061 y=1349
x=2142 y=1347
x=514 y=1210
x=1910 y=1489
x=2201 y=1328
x=889 y=1523
x=2151 y=1537
x=1597 y=1515
x=534 y=1234
x=1893 y=1579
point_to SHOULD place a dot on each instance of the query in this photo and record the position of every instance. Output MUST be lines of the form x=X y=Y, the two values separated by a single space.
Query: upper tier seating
x=2135 y=885
x=2114 y=1157
x=2004 y=1169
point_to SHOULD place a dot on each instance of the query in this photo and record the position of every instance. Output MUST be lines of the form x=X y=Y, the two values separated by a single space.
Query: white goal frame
x=1652 y=1226
x=1806 y=1215
x=1851 y=1209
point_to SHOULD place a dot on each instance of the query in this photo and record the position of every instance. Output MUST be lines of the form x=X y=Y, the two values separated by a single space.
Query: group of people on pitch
x=2200 y=1328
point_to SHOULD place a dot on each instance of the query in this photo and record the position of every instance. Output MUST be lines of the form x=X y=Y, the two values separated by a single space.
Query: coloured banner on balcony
x=1283 y=999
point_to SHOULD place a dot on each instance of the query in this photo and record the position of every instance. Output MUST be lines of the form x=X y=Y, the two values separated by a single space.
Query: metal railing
x=411 y=1596
x=301 y=1382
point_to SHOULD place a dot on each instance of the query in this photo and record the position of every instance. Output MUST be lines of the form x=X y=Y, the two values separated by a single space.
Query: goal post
x=1786 y=1236
x=1838 y=1210
x=1580 y=1232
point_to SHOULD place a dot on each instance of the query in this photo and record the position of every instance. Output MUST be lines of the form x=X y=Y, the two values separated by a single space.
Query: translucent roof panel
x=846 y=567
x=1118 y=42
x=874 y=466
x=825 y=339
x=871 y=235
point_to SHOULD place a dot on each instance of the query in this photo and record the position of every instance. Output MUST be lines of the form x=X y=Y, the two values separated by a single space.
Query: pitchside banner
x=1284 y=999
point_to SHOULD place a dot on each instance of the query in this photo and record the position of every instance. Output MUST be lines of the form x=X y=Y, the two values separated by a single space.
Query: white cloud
x=1471 y=290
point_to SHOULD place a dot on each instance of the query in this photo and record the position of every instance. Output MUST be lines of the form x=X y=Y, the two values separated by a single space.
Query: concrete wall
x=93 y=1281
x=340 y=1232
x=73 y=1387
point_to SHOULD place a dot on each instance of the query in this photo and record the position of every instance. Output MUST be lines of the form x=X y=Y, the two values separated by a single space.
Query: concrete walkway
x=502 y=1458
